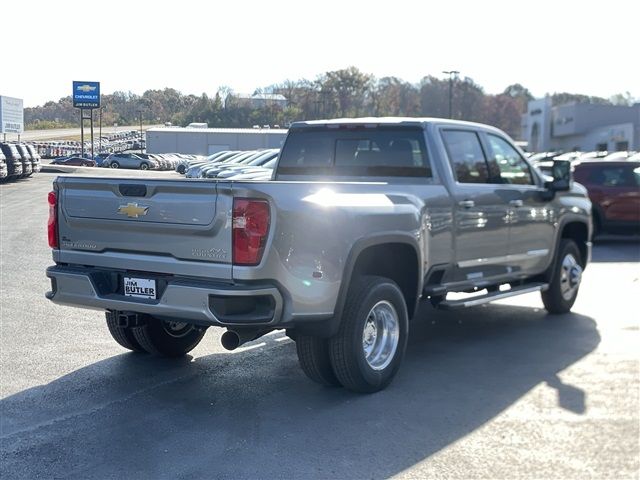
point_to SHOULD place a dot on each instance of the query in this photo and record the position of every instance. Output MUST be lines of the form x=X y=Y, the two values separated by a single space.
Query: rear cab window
x=387 y=151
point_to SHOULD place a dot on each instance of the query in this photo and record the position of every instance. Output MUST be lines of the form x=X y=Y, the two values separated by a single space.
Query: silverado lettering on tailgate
x=218 y=253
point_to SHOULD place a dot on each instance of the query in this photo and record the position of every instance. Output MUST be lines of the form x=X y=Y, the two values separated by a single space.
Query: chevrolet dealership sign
x=11 y=115
x=86 y=94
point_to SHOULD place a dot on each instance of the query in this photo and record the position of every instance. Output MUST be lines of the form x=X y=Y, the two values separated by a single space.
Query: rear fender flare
x=329 y=327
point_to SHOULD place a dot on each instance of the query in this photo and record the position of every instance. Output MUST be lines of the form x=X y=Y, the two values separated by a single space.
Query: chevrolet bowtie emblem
x=132 y=210
x=86 y=88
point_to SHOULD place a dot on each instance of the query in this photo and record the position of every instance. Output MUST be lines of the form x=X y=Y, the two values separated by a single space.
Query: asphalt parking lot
x=500 y=391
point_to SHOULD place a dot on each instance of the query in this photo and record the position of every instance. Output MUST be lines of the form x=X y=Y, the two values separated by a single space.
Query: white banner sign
x=11 y=115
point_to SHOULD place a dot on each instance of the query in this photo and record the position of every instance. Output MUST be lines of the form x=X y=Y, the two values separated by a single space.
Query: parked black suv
x=25 y=158
x=35 y=157
x=13 y=159
x=26 y=155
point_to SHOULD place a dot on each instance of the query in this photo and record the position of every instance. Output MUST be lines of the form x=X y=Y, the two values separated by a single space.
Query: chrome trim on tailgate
x=145 y=263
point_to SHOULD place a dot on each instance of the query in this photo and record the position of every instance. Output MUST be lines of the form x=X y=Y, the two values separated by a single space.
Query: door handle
x=516 y=203
x=467 y=203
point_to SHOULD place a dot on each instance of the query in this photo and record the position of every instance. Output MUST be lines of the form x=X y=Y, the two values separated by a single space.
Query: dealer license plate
x=139 y=287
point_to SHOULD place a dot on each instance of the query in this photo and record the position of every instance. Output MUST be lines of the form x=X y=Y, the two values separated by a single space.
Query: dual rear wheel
x=366 y=353
x=159 y=337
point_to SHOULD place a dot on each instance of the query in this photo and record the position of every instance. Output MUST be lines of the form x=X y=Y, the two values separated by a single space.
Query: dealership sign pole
x=86 y=96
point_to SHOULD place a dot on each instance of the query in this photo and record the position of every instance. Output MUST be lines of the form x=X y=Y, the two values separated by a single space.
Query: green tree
x=521 y=94
x=395 y=97
x=347 y=90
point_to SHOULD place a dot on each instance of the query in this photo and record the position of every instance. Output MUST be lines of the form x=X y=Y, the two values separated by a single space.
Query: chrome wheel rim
x=114 y=165
x=177 y=329
x=381 y=335
x=570 y=277
x=144 y=166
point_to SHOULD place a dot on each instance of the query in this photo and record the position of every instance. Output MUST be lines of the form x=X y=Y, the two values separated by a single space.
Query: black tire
x=182 y=169
x=346 y=348
x=314 y=359
x=557 y=299
x=123 y=335
x=144 y=166
x=159 y=338
x=114 y=165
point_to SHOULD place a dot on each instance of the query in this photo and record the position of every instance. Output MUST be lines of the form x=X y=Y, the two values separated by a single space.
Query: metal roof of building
x=220 y=130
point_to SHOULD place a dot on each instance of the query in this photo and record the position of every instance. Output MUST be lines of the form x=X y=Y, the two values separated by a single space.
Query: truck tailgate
x=167 y=226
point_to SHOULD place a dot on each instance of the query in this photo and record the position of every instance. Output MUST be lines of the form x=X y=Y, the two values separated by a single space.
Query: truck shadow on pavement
x=253 y=414
x=616 y=248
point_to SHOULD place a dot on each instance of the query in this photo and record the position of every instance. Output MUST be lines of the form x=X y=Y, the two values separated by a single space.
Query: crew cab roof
x=391 y=121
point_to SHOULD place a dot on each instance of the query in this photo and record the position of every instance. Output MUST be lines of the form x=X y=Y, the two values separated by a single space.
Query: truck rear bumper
x=201 y=302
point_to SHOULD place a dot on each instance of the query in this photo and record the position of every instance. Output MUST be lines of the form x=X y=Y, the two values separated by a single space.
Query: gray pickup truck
x=363 y=219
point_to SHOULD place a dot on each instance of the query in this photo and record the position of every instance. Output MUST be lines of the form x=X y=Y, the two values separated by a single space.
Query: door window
x=613 y=177
x=506 y=164
x=466 y=156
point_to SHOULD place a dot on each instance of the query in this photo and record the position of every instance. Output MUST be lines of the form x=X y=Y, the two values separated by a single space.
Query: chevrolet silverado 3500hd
x=364 y=219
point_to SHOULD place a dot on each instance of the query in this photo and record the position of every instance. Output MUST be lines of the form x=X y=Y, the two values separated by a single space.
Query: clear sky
x=197 y=46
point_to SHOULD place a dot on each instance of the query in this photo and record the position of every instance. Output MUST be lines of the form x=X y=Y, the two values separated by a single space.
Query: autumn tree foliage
x=346 y=92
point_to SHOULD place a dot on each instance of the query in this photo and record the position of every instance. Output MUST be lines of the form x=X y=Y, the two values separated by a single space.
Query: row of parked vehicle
x=18 y=160
x=612 y=181
x=543 y=160
x=132 y=160
x=110 y=143
x=233 y=165
x=147 y=161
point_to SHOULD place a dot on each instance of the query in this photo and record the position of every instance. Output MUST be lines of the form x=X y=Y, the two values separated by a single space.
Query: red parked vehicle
x=614 y=190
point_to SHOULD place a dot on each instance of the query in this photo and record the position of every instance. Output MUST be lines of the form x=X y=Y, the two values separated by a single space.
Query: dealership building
x=580 y=126
x=206 y=141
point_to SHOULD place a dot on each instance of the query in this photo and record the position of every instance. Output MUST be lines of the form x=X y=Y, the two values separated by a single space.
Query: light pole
x=100 y=141
x=451 y=74
x=140 y=112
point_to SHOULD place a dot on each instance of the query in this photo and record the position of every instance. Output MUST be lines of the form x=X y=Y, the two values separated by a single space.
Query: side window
x=466 y=156
x=613 y=177
x=507 y=163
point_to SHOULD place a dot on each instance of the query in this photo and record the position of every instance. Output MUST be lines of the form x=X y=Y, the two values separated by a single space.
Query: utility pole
x=451 y=74
x=140 y=131
x=100 y=141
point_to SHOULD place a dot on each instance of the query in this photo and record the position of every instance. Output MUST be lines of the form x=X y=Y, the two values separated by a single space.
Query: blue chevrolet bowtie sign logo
x=86 y=94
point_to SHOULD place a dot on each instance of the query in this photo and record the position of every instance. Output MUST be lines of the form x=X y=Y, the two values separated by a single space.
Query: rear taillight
x=52 y=224
x=250 y=228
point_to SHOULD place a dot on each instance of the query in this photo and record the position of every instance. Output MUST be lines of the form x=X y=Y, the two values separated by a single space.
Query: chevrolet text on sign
x=86 y=94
